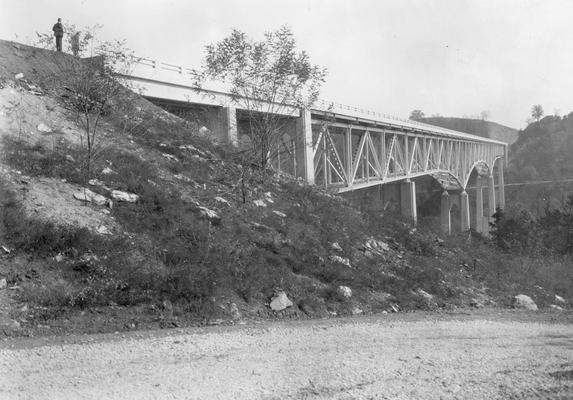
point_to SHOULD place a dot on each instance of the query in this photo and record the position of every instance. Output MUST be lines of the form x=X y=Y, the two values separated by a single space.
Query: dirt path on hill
x=366 y=358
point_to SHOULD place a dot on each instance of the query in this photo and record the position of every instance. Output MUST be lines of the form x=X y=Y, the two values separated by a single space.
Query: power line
x=538 y=182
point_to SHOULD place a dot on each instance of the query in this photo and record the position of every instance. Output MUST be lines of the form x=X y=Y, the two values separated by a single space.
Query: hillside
x=476 y=127
x=171 y=230
x=542 y=153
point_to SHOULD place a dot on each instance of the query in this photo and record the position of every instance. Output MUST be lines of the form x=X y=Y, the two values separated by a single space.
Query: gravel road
x=425 y=358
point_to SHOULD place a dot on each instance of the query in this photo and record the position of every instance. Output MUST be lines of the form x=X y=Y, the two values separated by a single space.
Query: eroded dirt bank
x=392 y=357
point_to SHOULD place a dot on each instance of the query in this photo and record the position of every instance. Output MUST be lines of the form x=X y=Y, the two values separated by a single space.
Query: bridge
x=347 y=149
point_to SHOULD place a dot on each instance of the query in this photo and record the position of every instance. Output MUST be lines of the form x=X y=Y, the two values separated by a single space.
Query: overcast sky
x=448 y=57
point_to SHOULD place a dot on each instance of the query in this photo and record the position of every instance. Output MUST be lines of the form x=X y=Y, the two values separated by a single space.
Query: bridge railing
x=180 y=74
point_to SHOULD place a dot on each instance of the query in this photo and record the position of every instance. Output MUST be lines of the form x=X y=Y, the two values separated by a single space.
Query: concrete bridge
x=347 y=149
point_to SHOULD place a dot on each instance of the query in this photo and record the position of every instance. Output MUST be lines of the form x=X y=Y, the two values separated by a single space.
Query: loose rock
x=336 y=246
x=559 y=299
x=280 y=302
x=555 y=307
x=260 y=203
x=524 y=302
x=44 y=128
x=211 y=215
x=222 y=200
x=341 y=260
x=90 y=197
x=345 y=291
x=124 y=196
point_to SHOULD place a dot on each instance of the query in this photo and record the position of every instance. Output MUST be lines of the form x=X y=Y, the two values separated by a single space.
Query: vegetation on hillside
x=542 y=153
x=195 y=247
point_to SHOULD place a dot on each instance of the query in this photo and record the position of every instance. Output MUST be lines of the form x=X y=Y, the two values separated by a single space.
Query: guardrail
x=321 y=105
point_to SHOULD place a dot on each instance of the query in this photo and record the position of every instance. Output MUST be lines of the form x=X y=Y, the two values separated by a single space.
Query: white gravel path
x=366 y=358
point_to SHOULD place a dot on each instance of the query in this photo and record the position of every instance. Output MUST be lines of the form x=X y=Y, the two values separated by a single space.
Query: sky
x=454 y=58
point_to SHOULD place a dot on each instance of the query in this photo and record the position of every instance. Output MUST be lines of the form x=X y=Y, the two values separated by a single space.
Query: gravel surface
x=363 y=358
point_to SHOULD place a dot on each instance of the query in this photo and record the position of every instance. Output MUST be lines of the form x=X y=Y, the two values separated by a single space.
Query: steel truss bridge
x=345 y=148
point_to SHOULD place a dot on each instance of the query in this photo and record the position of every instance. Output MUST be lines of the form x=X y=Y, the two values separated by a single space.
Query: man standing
x=59 y=34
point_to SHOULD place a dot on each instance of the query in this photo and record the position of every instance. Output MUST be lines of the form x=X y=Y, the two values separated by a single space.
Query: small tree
x=485 y=115
x=267 y=80
x=91 y=93
x=416 y=115
x=537 y=112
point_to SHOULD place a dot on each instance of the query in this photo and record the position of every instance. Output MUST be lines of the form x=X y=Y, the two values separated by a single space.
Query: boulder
x=336 y=246
x=44 y=128
x=90 y=197
x=559 y=299
x=106 y=171
x=3 y=283
x=357 y=311
x=260 y=203
x=341 y=260
x=95 y=182
x=279 y=213
x=222 y=200
x=345 y=291
x=524 y=302
x=19 y=76
x=170 y=156
x=234 y=311
x=124 y=196
x=103 y=230
x=280 y=302
x=211 y=215
x=427 y=296
x=555 y=307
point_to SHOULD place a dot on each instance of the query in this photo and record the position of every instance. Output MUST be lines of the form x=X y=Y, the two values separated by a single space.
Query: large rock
x=280 y=302
x=124 y=196
x=210 y=215
x=524 y=302
x=341 y=260
x=44 y=128
x=345 y=291
x=90 y=197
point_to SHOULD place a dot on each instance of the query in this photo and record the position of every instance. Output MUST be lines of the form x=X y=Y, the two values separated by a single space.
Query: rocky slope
x=168 y=229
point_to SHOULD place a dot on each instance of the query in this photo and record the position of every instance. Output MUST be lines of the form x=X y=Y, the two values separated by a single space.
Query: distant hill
x=476 y=127
x=542 y=157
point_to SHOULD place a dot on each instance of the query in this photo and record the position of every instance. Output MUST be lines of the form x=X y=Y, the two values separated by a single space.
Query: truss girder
x=348 y=156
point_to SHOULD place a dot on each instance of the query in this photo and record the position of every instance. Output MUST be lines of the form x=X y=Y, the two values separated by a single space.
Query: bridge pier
x=304 y=154
x=491 y=197
x=228 y=124
x=445 y=215
x=501 y=185
x=479 y=218
x=465 y=211
x=408 y=200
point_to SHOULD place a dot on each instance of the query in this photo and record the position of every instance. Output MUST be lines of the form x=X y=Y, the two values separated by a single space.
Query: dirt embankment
x=393 y=357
